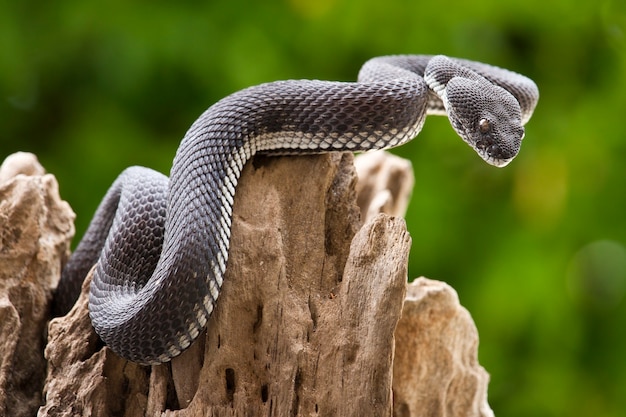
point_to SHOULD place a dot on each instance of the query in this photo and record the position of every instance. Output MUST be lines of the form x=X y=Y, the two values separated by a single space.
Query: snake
x=160 y=245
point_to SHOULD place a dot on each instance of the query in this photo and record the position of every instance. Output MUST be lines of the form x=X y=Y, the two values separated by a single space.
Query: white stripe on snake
x=161 y=245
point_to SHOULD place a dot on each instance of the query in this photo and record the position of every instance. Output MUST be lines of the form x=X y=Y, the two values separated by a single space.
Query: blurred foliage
x=535 y=250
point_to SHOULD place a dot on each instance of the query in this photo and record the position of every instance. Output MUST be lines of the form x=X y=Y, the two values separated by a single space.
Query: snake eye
x=484 y=126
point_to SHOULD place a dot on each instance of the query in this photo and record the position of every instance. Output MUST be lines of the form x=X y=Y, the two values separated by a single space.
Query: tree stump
x=306 y=319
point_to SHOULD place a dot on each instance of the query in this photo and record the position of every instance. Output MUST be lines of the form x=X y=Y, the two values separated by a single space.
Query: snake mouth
x=493 y=153
x=499 y=163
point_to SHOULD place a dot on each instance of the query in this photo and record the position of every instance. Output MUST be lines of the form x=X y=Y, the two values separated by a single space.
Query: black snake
x=161 y=245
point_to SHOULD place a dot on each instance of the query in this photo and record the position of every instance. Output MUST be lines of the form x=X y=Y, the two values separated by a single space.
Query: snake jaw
x=496 y=150
x=496 y=145
x=490 y=156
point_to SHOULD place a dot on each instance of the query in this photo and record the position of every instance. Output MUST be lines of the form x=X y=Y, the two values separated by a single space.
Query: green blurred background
x=535 y=250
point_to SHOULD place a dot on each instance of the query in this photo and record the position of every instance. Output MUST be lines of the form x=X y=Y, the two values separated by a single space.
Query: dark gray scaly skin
x=161 y=246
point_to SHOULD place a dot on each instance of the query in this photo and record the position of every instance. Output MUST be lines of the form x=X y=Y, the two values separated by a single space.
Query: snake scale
x=161 y=245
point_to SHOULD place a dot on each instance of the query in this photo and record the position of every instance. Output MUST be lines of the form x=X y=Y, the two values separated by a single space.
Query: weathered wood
x=436 y=370
x=385 y=184
x=306 y=320
x=35 y=228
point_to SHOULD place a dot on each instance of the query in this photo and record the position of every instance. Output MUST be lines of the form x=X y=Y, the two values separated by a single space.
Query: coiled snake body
x=161 y=245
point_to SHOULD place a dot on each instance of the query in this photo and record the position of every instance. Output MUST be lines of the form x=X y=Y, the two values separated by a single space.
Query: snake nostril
x=495 y=151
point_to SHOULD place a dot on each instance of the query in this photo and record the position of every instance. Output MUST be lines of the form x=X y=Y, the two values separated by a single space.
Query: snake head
x=487 y=117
